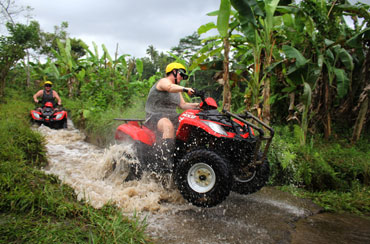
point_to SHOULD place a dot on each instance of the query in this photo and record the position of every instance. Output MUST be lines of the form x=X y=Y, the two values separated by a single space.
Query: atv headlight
x=59 y=116
x=36 y=115
x=216 y=127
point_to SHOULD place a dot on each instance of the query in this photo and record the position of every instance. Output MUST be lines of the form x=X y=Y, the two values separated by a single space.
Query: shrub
x=319 y=165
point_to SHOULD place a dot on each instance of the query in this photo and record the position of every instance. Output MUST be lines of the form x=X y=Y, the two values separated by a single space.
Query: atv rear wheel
x=203 y=178
x=135 y=170
x=247 y=183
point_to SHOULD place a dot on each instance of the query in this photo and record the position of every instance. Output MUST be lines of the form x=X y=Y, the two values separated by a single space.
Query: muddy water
x=88 y=169
x=269 y=216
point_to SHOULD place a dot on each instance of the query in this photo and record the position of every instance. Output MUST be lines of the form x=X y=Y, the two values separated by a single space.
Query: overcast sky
x=133 y=24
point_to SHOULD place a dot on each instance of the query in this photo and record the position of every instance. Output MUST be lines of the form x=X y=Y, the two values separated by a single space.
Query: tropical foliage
x=301 y=57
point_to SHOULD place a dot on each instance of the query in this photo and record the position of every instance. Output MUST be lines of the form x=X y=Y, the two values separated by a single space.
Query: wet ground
x=268 y=216
x=332 y=228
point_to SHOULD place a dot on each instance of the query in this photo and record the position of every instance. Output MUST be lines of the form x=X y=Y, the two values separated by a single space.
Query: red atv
x=216 y=152
x=50 y=116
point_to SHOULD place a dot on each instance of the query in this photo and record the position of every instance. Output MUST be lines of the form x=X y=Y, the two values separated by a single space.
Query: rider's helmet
x=48 y=83
x=177 y=67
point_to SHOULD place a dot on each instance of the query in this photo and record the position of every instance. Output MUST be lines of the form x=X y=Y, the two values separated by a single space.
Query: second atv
x=49 y=116
x=215 y=152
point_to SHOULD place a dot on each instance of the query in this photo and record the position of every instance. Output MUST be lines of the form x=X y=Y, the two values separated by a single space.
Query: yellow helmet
x=48 y=82
x=177 y=66
x=173 y=66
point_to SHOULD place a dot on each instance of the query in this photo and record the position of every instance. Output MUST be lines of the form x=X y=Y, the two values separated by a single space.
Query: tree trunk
x=327 y=117
x=361 y=119
x=71 y=81
x=3 y=74
x=227 y=93
x=2 y=88
x=266 y=101
x=28 y=82
x=363 y=101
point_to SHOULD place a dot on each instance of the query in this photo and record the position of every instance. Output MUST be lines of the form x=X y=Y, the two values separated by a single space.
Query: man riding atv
x=215 y=151
x=48 y=95
x=163 y=99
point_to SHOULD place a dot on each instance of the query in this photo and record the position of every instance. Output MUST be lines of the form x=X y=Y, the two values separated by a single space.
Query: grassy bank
x=37 y=208
x=333 y=173
x=99 y=125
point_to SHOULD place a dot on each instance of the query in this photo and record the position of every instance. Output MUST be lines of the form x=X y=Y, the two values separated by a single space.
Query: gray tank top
x=47 y=97
x=161 y=103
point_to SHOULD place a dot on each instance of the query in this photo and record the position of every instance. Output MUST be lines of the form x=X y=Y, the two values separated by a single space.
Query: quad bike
x=215 y=152
x=49 y=116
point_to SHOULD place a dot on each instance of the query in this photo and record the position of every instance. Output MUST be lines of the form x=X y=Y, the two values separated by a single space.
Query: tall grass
x=99 y=125
x=38 y=208
x=333 y=173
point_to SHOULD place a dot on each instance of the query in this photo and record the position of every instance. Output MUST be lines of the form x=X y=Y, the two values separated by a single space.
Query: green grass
x=355 y=200
x=38 y=208
x=99 y=125
x=333 y=173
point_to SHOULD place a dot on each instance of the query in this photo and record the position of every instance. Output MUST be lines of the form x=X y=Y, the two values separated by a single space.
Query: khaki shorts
x=152 y=121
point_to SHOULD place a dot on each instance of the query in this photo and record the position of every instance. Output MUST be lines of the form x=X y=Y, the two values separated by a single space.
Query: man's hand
x=189 y=91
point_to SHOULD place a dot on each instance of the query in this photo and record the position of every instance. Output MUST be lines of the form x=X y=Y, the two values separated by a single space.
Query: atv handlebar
x=198 y=93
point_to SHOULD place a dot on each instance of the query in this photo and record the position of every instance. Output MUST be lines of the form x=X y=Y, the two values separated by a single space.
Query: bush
x=99 y=125
x=319 y=165
x=356 y=200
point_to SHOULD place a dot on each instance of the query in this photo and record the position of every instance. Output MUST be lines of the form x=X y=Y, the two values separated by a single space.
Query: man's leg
x=167 y=144
x=166 y=127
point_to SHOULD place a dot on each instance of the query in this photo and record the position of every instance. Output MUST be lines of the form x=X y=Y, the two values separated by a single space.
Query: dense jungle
x=303 y=68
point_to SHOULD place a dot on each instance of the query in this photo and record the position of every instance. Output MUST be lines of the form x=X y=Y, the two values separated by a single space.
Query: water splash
x=97 y=175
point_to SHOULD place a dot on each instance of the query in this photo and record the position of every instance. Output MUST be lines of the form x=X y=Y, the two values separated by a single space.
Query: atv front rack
x=261 y=133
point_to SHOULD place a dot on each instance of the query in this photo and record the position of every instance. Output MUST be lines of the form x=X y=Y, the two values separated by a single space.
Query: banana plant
x=67 y=66
x=250 y=31
x=328 y=63
x=330 y=57
x=223 y=28
x=219 y=46
x=259 y=24
x=359 y=42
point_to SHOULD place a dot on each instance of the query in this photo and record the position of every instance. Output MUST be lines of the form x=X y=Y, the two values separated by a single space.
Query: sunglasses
x=47 y=85
x=183 y=74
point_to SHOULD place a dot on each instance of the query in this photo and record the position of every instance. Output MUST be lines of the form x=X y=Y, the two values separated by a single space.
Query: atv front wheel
x=203 y=178
x=65 y=124
x=250 y=182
